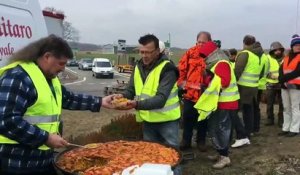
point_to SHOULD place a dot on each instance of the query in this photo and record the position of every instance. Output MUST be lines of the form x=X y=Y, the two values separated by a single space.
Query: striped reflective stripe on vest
x=221 y=94
x=248 y=81
x=166 y=108
x=211 y=92
x=287 y=71
x=229 y=93
x=231 y=85
x=41 y=119
x=145 y=96
x=250 y=75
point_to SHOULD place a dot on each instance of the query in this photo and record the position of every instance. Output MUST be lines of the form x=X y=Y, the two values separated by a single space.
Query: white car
x=102 y=67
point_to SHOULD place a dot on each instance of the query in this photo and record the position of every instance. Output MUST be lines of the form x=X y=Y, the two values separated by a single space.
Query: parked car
x=102 y=67
x=72 y=63
x=85 y=64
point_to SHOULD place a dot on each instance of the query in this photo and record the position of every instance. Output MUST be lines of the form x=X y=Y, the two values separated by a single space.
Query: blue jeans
x=219 y=129
x=165 y=133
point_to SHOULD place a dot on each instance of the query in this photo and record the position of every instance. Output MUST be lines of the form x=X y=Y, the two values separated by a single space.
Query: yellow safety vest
x=230 y=93
x=45 y=112
x=263 y=80
x=208 y=101
x=251 y=74
x=232 y=64
x=148 y=89
x=274 y=70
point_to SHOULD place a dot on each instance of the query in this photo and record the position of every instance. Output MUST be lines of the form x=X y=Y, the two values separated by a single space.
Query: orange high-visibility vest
x=289 y=66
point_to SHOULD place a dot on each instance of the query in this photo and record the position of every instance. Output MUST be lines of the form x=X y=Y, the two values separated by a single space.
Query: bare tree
x=70 y=33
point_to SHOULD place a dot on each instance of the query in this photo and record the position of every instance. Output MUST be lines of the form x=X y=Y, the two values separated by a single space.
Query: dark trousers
x=248 y=117
x=238 y=126
x=256 y=119
x=271 y=97
x=190 y=120
x=219 y=129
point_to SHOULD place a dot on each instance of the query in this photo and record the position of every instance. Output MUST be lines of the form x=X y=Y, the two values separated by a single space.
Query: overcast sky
x=106 y=21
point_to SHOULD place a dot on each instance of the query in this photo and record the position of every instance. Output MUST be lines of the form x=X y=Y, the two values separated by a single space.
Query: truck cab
x=22 y=22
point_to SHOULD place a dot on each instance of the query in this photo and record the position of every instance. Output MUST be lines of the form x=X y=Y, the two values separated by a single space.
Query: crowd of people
x=211 y=84
x=216 y=84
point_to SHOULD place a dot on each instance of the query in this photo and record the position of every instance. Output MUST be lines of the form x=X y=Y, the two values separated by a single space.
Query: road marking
x=123 y=75
x=75 y=82
x=71 y=71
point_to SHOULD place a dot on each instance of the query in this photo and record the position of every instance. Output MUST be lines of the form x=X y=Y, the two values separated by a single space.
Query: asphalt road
x=88 y=84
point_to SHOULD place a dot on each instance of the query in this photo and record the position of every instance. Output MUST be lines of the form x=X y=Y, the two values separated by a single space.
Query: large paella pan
x=112 y=157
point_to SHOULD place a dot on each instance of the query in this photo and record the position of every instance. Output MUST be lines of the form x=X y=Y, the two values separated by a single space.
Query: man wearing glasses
x=153 y=87
x=153 y=92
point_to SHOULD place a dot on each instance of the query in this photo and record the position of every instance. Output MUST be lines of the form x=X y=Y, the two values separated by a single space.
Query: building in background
x=54 y=22
x=107 y=49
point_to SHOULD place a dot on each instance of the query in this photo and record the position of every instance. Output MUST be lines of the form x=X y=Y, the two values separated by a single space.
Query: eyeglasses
x=142 y=52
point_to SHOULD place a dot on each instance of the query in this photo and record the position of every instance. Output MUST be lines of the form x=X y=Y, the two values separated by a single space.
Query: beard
x=278 y=56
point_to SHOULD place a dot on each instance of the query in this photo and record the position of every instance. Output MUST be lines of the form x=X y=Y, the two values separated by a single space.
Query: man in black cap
x=247 y=72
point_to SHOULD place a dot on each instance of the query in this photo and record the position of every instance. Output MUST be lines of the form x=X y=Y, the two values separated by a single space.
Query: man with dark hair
x=247 y=72
x=233 y=54
x=191 y=68
x=153 y=92
x=249 y=40
x=30 y=107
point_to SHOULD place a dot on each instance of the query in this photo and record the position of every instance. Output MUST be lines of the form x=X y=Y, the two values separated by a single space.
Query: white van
x=102 y=67
x=22 y=22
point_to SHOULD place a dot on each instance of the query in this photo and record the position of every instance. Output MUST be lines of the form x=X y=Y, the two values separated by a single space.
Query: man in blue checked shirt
x=31 y=100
